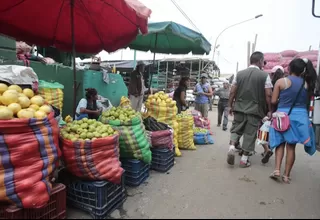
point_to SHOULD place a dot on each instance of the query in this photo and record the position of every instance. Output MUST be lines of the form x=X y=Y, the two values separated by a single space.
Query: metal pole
x=255 y=43
x=237 y=68
x=215 y=43
x=153 y=63
x=248 y=55
x=74 y=59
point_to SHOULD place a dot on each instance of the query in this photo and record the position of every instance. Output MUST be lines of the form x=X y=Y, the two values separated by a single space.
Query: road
x=202 y=185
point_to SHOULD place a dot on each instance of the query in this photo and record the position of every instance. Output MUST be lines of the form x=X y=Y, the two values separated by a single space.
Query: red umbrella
x=84 y=26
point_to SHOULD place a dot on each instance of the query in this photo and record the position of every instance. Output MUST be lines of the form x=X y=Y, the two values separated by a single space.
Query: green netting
x=50 y=85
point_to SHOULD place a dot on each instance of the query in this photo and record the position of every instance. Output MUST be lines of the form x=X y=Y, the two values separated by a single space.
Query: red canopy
x=98 y=24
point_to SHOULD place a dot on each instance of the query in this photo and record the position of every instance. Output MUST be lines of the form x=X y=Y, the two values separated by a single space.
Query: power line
x=185 y=15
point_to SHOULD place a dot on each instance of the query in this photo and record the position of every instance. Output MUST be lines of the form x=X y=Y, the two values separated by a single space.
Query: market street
x=202 y=185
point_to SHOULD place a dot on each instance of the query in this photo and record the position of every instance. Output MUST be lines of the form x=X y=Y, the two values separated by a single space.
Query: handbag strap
x=293 y=104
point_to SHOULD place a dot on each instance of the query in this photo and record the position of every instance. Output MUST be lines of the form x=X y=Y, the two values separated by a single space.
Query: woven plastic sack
x=202 y=138
x=272 y=57
x=263 y=133
x=165 y=114
x=133 y=139
x=162 y=139
x=201 y=122
x=52 y=93
x=29 y=154
x=185 y=132
x=125 y=102
x=94 y=160
x=289 y=53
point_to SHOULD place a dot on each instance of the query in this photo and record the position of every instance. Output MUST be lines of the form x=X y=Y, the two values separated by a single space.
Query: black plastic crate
x=136 y=172
x=161 y=153
x=163 y=167
x=99 y=198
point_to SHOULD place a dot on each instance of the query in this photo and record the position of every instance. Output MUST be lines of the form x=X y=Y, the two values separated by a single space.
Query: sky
x=286 y=24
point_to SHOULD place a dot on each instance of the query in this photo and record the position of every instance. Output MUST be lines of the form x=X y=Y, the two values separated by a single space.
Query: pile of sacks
x=161 y=107
x=285 y=57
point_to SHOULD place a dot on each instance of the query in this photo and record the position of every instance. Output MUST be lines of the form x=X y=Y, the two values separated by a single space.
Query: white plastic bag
x=263 y=133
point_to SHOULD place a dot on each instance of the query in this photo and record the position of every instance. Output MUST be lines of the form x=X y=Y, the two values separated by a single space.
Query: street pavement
x=202 y=185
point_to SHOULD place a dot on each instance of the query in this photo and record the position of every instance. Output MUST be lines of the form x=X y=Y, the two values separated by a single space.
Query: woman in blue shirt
x=285 y=92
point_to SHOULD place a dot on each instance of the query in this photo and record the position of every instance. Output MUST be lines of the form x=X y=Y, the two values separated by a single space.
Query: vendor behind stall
x=89 y=107
x=180 y=94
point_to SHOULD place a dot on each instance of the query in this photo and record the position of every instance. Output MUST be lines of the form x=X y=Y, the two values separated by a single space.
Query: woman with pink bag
x=290 y=123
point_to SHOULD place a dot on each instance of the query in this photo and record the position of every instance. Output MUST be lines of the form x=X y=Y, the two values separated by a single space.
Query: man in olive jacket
x=250 y=96
x=136 y=87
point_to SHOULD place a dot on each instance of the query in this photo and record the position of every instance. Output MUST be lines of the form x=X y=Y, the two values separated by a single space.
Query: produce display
x=161 y=134
x=119 y=113
x=30 y=152
x=161 y=107
x=91 y=150
x=185 y=131
x=202 y=136
x=133 y=140
x=52 y=93
x=86 y=130
x=18 y=103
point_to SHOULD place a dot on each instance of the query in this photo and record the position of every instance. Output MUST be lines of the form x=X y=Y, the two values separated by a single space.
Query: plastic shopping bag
x=263 y=133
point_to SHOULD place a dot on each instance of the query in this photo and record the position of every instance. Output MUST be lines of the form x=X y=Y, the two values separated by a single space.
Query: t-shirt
x=177 y=93
x=83 y=104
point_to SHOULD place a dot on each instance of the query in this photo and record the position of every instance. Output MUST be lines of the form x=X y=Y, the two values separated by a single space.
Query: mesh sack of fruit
x=52 y=93
x=201 y=122
x=133 y=138
x=202 y=136
x=91 y=150
x=29 y=154
x=185 y=131
x=125 y=102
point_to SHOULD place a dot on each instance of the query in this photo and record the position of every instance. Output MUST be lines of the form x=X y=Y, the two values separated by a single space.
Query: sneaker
x=245 y=164
x=224 y=129
x=218 y=125
x=231 y=157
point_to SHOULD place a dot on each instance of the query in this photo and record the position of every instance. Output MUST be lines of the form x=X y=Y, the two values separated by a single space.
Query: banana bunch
x=200 y=130
x=68 y=119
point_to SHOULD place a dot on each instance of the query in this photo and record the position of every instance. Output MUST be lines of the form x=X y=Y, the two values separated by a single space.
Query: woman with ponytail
x=89 y=107
x=293 y=93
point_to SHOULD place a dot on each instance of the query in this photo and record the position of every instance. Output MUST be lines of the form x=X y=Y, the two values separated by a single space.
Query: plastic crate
x=54 y=209
x=162 y=167
x=136 y=172
x=161 y=153
x=98 y=198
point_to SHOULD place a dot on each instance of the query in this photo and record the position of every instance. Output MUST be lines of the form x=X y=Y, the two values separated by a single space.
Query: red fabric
x=162 y=139
x=99 y=25
x=29 y=153
x=94 y=160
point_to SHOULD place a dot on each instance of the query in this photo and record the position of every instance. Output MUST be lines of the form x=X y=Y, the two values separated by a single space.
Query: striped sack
x=162 y=139
x=29 y=154
x=94 y=160
x=133 y=139
x=201 y=122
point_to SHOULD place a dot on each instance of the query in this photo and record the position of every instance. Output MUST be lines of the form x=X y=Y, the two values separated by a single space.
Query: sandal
x=266 y=157
x=286 y=179
x=275 y=175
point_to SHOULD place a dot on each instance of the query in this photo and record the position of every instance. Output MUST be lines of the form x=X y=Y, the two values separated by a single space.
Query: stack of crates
x=136 y=171
x=54 y=209
x=98 y=198
x=162 y=159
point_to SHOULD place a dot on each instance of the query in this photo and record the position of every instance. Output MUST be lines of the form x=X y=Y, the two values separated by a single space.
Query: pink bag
x=280 y=121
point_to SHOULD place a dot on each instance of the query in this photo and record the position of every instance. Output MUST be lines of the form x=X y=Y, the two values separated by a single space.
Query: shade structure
x=83 y=26
x=98 y=24
x=170 y=37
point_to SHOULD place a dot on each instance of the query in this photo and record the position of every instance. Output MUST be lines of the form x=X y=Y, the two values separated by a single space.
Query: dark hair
x=278 y=74
x=256 y=57
x=90 y=92
x=305 y=70
x=183 y=81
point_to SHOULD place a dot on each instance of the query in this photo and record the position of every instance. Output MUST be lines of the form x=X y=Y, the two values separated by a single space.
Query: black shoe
x=266 y=157
x=224 y=129
x=218 y=125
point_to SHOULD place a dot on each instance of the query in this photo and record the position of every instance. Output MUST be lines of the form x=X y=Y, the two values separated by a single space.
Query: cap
x=204 y=75
x=274 y=69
